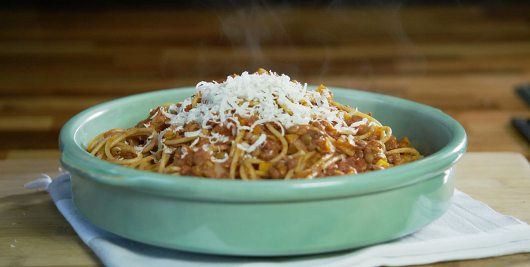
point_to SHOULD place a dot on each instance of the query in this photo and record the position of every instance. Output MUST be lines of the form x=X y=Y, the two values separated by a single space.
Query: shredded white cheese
x=258 y=142
x=243 y=146
x=222 y=102
x=194 y=143
x=192 y=134
x=184 y=152
x=359 y=123
x=216 y=137
x=265 y=98
x=220 y=160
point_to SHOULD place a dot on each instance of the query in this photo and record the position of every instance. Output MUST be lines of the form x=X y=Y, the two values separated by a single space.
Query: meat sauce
x=318 y=136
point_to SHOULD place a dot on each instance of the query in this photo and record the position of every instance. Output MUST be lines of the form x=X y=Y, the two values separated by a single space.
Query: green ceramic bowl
x=265 y=218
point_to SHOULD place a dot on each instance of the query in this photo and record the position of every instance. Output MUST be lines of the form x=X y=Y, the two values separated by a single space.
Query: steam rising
x=330 y=43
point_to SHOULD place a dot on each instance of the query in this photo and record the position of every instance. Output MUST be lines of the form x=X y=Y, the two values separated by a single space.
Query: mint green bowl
x=265 y=218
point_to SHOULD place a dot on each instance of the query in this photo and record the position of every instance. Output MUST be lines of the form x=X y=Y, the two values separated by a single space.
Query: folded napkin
x=468 y=230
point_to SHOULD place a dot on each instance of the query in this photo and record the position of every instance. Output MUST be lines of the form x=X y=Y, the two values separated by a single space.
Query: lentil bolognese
x=255 y=126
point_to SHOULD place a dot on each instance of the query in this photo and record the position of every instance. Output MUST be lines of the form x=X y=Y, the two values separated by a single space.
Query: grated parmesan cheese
x=221 y=102
x=243 y=146
x=184 y=152
x=213 y=159
x=192 y=134
x=194 y=143
x=359 y=123
x=258 y=142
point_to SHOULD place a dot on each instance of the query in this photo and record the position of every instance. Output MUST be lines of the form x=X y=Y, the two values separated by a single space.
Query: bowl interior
x=426 y=128
x=437 y=136
x=404 y=117
x=123 y=113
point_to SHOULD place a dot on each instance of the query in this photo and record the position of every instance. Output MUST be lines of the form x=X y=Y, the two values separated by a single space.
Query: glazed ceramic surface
x=268 y=217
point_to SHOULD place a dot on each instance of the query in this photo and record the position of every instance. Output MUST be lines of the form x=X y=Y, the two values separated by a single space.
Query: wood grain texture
x=31 y=223
x=463 y=59
x=42 y=237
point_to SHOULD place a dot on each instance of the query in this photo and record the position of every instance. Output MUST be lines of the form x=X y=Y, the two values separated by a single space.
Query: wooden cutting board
x=34 y=233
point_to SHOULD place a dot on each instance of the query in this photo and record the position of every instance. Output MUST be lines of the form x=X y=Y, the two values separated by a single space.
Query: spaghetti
x=255 y=126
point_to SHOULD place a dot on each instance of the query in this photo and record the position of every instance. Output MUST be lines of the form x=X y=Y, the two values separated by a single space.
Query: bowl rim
x=76 y=160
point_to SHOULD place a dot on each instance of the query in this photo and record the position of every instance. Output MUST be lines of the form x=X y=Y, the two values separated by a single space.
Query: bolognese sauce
x=255 y=126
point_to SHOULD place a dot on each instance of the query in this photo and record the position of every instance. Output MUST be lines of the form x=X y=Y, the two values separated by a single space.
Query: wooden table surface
x=56 y=61
x=465 y=60
x=40 y=236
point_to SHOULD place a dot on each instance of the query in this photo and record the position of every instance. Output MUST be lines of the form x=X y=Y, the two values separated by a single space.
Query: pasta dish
x=255 y=126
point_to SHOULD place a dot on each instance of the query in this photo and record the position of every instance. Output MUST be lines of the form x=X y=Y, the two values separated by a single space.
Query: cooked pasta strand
x=280 y=137
x=252 y=127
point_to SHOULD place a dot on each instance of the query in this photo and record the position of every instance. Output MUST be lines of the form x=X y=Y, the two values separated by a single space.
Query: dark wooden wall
x=463 y=58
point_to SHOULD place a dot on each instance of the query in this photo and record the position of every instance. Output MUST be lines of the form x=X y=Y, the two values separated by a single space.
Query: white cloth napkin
x=468 y=230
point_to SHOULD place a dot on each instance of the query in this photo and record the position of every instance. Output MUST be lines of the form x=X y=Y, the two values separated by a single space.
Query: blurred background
x=58 y=58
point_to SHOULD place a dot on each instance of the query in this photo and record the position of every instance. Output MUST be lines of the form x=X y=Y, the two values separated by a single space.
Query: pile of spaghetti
x=255 y=126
